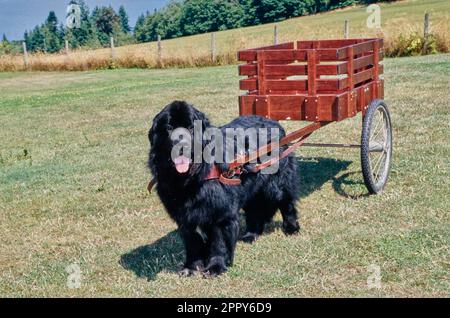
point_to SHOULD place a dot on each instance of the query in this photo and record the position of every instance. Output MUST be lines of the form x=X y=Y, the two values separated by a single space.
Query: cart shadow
x=347 y=180
x=316 y=171
x=167 y=253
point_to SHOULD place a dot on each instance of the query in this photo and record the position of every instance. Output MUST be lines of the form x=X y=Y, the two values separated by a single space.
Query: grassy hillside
x=398 y=20
x=73 y=177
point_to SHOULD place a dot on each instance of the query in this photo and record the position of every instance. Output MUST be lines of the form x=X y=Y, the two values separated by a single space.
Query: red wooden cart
x=322 y=82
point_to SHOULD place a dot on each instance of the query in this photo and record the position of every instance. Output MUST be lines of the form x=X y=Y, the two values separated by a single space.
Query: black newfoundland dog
x=207 y=211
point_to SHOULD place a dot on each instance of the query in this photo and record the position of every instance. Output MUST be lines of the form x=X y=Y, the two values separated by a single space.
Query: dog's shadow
x=167 y=253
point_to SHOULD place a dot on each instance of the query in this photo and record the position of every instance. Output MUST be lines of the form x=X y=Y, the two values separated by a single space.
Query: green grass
x=73 y=177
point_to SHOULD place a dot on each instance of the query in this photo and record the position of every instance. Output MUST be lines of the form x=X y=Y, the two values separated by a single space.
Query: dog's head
x=176 y=119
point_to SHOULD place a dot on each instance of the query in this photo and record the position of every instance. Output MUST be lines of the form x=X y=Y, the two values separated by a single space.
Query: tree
x=53 y=38
x=199 y=16
x=124 y=21
x=107 y=23
x=249 y=9
x=229 y=15
x=37 y=39
x=52 y=22
x=272 y=10
x=139 y=30
x=153 y=26
x=265 y=11
x=171 y=20
x=107 y=20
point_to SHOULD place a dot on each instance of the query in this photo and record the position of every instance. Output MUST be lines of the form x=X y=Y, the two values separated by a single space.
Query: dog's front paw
x=215 y=267
x=192 y=269
x=250 y=237
x=187 y=272
x=291 y=228
x=214 y=270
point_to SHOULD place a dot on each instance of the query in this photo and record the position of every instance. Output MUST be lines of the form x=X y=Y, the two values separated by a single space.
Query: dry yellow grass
x=401 y=27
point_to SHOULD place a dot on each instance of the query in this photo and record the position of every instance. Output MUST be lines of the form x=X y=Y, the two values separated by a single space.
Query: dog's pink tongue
x=182 y=164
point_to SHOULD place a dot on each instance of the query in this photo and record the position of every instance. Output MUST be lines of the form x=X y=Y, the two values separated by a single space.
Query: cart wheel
x=376 y=146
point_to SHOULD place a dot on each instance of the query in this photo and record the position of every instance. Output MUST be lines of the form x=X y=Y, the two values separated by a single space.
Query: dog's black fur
x=207 y=212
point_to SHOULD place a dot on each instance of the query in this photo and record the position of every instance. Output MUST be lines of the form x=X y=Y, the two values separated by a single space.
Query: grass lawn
x=73 y=191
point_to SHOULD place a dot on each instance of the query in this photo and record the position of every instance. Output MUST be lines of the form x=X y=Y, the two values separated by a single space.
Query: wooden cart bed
x=317 y=81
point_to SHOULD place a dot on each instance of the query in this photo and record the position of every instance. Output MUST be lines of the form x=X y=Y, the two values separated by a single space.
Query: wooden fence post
x=113 y=49
x=213 y=47
x=426 y=32
x=159 y=50
x=66 y=45
x=275 y=34
x=25 y=54
x=346 y=30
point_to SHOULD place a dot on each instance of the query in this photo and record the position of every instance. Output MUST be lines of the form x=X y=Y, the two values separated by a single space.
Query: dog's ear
x=152 y=131
x=151 y=134
x=205 y=121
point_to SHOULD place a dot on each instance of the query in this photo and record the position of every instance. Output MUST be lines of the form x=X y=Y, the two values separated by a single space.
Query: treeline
x=188 y=17
x=177 y=18
x=95 y=29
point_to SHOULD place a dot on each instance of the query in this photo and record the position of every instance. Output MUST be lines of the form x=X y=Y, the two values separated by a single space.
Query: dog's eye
x=169 y=129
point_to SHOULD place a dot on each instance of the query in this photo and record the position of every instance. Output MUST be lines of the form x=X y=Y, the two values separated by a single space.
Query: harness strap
x=151 y=184
x=214 y=174
x=236 y=167
x=285 y=153
x=295 y=135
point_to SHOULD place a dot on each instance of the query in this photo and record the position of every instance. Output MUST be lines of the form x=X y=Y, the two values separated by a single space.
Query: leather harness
x=236 y=167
